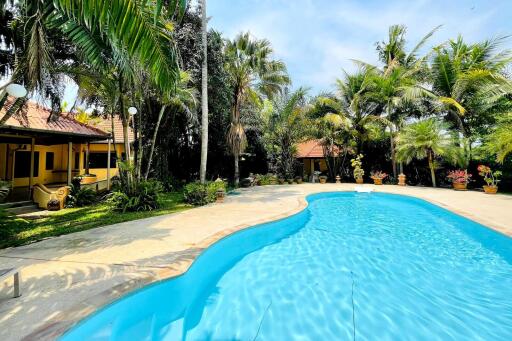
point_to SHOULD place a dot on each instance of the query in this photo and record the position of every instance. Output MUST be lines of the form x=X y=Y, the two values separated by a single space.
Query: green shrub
x=266 y=179
x=78 y=196
x=199 y=194
x=144 y=198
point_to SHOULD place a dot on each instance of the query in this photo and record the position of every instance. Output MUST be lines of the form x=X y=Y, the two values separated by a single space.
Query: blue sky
x=317 y=38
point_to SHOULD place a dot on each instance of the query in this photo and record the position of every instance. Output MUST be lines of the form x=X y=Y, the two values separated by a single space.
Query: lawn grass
x=16 y=231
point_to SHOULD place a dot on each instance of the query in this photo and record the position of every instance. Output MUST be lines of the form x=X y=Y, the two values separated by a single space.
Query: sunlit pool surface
x=364 y=266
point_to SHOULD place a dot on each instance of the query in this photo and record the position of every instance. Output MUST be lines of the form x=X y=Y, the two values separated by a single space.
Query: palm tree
x=399 y=84
x=284 y=122
x=354 y=102
x=134 y=29
x=462 y=77
x=183 y=99
x=204 y=95
x=428 y=139
x=253 y=74
x=499 y=142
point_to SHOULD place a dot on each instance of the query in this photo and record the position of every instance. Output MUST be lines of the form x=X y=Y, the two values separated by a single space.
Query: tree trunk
x=204 y=97
x=237 y=171
x=432 y=169
x=15 y=107
x=153 y=141
x=392 y=145
x=140 y=149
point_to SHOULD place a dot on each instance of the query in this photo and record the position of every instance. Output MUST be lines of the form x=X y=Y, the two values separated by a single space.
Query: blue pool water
x=364 y=266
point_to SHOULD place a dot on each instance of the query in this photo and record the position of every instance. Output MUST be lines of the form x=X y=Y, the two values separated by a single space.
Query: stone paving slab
x=68 y=277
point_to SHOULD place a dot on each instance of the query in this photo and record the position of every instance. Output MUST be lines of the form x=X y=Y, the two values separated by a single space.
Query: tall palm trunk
x=153 y=141
x=15 y=107
x=140 y=149
x=204 y=97
x=432 y=168
x=237 y=170
x=392 y=143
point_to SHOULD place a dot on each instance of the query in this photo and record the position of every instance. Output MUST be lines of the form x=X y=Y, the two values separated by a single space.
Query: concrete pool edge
x=66 y=319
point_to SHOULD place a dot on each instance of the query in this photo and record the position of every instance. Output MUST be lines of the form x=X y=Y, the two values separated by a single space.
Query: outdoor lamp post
x=13 y=90
x=132 y=111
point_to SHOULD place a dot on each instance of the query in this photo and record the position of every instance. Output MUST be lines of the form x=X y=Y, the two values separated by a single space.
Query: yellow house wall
x=101 y=173
x=59 y=172
x=3 y=161
x=307 y=165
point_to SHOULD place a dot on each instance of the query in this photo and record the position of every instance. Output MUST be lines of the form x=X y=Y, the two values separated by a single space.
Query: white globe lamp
x=16 y=90
x=132 y=111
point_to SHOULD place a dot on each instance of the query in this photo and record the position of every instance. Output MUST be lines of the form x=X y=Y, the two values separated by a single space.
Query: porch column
x=108 y=165
x=87 y=147
x=312 y=165
x=70 y=156
x=31 y=175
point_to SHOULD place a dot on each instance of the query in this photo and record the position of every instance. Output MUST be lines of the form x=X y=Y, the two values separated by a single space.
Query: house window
x=22 y=164
x=49 y=161
x=77 y=161
x=100 y=160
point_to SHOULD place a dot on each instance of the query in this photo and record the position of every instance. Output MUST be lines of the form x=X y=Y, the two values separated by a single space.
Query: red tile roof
x=35 y=117
x=310 y=149
x=106 y=125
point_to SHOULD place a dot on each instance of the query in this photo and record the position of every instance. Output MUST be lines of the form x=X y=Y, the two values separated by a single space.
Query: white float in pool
x=362 y=189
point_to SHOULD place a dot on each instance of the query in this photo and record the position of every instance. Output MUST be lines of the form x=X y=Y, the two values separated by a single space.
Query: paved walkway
x=68 y=277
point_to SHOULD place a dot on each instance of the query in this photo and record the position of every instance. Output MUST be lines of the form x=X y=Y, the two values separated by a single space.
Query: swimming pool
x=364 y=266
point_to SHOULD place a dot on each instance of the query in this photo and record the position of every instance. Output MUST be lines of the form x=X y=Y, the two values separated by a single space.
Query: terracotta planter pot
x=377 y=181
x=281 y=181
x=298 y=180
x=220 y=195
x=290 y=181
x=459 y=186
x=323 y=180
x=491 y=189
x=401 y=180
x=359 y=181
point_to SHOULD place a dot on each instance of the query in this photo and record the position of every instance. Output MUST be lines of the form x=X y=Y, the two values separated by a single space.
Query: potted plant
x=459 y=179
x=281 y=180
x=378 y=176
x=273 y=180
x=290 y=181
x=358 y=172
x=323 y=179
x=220 y=194
x=491 y=178
x=298 y=179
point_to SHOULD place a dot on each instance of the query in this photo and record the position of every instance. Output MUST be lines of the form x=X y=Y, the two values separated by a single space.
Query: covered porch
x=34 y=160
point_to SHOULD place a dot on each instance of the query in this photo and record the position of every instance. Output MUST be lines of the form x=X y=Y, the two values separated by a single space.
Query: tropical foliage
x=419 y=111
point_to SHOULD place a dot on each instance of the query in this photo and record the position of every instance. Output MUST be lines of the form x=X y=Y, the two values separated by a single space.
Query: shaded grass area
x=16 y=231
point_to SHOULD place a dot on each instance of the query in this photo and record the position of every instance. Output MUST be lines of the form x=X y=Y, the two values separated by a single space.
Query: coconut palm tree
x=499 y=142
x=284 y=125
x=428 y=139
x=399 y=83
x=136 y=29
x=463 y=75
x=254 y=75
x=354 y=102
x=204 y=95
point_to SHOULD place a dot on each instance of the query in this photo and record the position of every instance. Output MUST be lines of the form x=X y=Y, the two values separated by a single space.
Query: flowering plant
x=357 y=164
x=459 y=176
x=378 y=175
x=490 y=177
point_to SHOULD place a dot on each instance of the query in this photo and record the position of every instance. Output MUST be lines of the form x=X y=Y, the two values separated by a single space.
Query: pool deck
x=66 y=278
